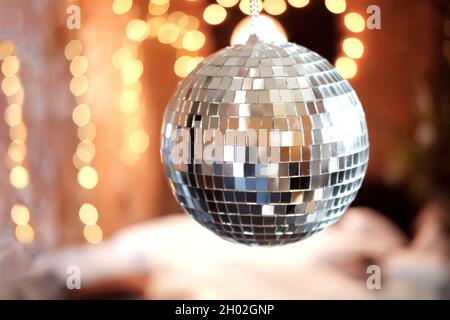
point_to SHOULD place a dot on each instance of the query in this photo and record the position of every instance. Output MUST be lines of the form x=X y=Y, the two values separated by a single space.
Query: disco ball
x=264 y=143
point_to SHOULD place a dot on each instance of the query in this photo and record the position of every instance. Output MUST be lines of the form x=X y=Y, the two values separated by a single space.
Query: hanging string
x=254 y=11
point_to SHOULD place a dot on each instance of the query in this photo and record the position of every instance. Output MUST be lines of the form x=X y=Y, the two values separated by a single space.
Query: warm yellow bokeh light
x=137 y=30
x=88 y=177
x=132 y=70
x=85 y=151
x=20 y=214
x=193 y=40
x=129 y=101
x=93 y=234
x=138 y=141
x=24 y=234
x=275 y=7
x=121 y=56
x=81 y=115
x=227 y=3
x=88 y=214
x=10 y=66
x=347 y=67
x=122 y=6
x=6 y=49
x=13 y=115
x=298 y=3
x=73 y=49
x=214 y=14
x=157 y=10
x=79 y=66
x=354 y=22
x=87 y=132
x=11 y=85
x=19 y=177
x=353 y=47
x=160 y=2
x=336 y=6
x=185 y=64
x=244 y=6
x=79 y=85
x=168 y=33
x=17 y=151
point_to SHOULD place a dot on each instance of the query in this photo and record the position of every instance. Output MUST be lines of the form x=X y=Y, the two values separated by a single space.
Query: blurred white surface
x=186 y=261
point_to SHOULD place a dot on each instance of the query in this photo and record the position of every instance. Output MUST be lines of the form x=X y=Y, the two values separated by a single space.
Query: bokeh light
x=168 y=33
x=17 y=151
x=73 y=49
x=10 y=65
x=10 y=85
x=353 y=47
x=214 y=14
x=354 y=22
x=79 y=85
x=193 y=40
x=132 y=70
x=13 y=115
x=85 y=152
x=20 y=214
x=137 y=30
x=93 y=234
x=81 y=115
x=185 y=64
x=19 y=177
x=156 y=9
x=138 y=141
x=336 y=6
x=122 y=6
x=6 y=49
x=24 y=234
x=298 y=3
x=88 y=214
x=88 y=177
x=227 y=3
x=275 y=7
x=79 y=66
x=347 y=67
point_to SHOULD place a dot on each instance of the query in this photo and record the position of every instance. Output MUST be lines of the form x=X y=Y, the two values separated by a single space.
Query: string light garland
x=87 y=176
x=19 y=177
x=352 y=46
x=135 y=139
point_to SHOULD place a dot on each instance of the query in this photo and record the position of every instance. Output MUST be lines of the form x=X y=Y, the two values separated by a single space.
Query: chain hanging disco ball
x=264 y=143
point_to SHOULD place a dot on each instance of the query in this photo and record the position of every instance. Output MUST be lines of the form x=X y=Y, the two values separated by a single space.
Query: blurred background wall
x=84 y=131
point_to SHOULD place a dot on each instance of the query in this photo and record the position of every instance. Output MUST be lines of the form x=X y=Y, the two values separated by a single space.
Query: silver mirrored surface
x=265 y=144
